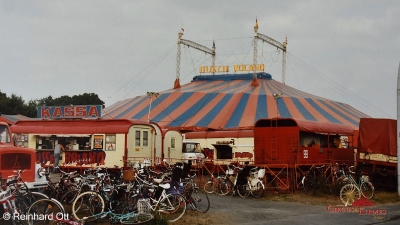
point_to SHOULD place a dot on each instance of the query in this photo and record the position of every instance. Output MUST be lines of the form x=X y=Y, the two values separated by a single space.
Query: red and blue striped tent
x=230 y=102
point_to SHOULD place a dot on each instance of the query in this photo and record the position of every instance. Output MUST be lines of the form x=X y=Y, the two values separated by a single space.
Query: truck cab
x=13 y=158
x=191 y=150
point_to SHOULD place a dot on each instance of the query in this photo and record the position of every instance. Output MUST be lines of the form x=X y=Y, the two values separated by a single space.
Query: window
x=145 y=138
x=137 y=138
x=172 y=143
x=44 y=142
x=4 y=134
x=22 y=140
x=110 y=142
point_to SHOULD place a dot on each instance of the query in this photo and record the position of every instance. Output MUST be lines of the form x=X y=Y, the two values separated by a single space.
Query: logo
x=362 y=202
x=6 y=216
x=360 y=206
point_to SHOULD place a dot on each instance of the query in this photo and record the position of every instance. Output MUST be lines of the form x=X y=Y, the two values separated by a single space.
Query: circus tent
x=230 y=102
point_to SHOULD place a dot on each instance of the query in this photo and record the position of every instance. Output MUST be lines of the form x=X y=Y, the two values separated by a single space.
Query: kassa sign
x=77 y=111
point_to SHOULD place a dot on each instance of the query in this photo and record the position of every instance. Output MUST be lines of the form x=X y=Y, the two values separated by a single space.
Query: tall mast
x=195 y=46
x=281 y=46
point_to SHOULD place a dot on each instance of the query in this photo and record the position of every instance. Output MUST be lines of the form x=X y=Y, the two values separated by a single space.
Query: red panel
x=378 y=136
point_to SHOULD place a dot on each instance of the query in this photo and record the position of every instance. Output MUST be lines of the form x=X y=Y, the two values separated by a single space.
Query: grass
x=380 y=197
x=383 y=197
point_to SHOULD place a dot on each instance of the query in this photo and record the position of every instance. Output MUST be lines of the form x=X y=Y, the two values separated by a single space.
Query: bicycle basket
x=230 y=172
x=143 y=205
x=129 y=175
x=364 y=178
x=261 y=173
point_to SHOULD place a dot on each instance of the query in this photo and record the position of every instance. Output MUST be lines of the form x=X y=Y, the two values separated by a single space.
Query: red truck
x=377 y=150
x=289 y=147
x=13 y=158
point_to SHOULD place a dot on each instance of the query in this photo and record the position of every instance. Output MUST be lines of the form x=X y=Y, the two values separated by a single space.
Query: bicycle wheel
x=209 y=187
x=172 y=207
x=22 y=208
x=69 y=197
x=258 y=190
x=131 y=202
x=137 y=218
x=200 y=200
x=367 y=189
x=349 y=193
x=87 y=204
x=243 y=190
x=45 y=211
x=223 y=187
x=308 y=182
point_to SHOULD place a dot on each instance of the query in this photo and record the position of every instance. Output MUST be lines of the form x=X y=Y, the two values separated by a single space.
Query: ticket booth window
x=110 y=142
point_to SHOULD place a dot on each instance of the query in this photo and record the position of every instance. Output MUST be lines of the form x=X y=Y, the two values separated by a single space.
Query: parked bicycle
x=11 y=206
x=236 y=182
x=46 y=211
x=316 y=180
x=195 y=197
x=58 y=189
x=255 y=182
x=355 y=189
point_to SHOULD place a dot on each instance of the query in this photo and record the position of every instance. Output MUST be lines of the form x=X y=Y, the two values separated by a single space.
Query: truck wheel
x=283 y=183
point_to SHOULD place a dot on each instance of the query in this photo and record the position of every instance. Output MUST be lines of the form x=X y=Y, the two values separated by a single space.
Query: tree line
x=14 y=104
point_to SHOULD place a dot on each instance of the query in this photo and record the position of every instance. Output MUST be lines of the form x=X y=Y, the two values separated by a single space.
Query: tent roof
x=229 y=102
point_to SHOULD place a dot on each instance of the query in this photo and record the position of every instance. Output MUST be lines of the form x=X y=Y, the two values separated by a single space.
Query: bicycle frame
x=8 y=204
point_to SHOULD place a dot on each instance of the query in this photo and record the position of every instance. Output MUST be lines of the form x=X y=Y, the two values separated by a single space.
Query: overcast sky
x=343 y=50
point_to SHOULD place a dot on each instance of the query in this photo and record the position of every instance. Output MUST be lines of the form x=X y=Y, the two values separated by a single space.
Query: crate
x=129 y=175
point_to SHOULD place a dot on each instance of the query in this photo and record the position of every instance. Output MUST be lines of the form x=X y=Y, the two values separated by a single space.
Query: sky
x=343 y=50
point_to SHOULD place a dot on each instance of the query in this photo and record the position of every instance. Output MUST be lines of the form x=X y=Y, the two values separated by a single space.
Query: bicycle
x=11 y=207
x=316 y=180
x=236 y=183
x=195 y=197
x=24 y=196
x=354 y=190
x=44 y=211
x=211 y=185
x=254 y=182
x=57 y=189
x=168 y=206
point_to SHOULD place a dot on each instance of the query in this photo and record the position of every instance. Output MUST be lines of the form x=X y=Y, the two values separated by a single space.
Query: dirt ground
x=227 y=209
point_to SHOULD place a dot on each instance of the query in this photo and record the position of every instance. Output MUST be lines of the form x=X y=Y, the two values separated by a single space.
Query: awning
x=63 y=135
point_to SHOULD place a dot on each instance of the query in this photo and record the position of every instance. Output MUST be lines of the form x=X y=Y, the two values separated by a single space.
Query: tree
x=16 y=105
x=4 y=103
x=87 y=98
